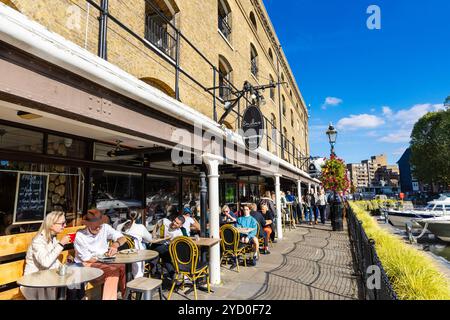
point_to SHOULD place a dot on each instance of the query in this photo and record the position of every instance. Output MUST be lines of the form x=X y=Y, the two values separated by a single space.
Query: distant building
x=408 y=184
x=374 y=175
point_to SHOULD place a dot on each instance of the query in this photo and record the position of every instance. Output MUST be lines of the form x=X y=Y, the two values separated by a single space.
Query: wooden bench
x=15 y=247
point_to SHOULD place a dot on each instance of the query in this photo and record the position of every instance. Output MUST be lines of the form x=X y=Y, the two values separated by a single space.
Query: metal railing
x=367 y=262
x=224 y=27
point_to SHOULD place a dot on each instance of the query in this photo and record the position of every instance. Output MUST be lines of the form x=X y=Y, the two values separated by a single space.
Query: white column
x=278 y=206
x=213 y=162
x=309 y=188
x=299 y=190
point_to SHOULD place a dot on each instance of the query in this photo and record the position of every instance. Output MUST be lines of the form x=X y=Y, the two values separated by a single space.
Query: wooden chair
x=231 y=246
x=185 y=258
x=144 y=287
x=12 y=251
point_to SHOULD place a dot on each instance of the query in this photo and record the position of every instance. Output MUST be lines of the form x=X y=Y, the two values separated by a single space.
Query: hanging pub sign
x=252 y=127
x=31 y=198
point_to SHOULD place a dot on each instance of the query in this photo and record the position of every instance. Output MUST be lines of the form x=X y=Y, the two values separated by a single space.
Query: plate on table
x=104 y=258
x=128 y=251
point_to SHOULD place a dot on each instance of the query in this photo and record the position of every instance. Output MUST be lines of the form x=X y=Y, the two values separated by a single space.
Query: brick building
x=94 y=94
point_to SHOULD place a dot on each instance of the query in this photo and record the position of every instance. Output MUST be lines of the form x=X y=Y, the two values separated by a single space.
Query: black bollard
x=203 y=207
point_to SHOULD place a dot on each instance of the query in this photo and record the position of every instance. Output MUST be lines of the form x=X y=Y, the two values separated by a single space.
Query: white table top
x=50 y=278
x=141 y=255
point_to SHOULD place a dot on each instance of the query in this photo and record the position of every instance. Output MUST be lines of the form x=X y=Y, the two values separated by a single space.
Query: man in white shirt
x=190 y=224
x=92 y=242
x=166 y=229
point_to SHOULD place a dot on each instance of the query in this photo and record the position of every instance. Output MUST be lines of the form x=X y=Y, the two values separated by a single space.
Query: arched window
x=285 y=139
x=283 y=105
x=253 y=20
x=157 y=30
x=272 y=90
x=282 y=77
x=253 y=60
x=271 y=54
x=225 y=80
x=11 y=4
x=290 y=93
x=292 y=118
x=160 y=85
x=225 y=19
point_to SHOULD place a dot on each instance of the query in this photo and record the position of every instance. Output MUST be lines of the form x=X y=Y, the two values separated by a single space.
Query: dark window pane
x=20 y=139
x=66 y=147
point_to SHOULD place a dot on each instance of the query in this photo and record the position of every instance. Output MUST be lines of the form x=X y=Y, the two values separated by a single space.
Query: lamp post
x=332 y=136
x=336 y=201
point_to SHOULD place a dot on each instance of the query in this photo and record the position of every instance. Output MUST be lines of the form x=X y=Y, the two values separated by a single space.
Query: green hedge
x=413 y=274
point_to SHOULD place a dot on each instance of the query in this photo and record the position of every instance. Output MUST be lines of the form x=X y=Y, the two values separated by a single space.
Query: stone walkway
x=310 y=263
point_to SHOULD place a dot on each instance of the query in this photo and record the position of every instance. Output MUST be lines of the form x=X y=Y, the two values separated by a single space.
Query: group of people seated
x=250 y=217
x=99 y=240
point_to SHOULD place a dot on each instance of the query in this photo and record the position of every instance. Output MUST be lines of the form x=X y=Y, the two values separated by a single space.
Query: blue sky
x=372 y=84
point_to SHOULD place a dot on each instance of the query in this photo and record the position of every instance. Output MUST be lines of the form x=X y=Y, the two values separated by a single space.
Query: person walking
x=322 y=205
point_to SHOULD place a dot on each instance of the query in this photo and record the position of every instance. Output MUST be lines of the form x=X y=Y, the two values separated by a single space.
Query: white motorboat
x=436 y=208
x=439 y=226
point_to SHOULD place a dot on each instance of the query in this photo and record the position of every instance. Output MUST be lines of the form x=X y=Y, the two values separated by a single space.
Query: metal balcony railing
x=157 y=34
x=224 y=27
x=254 y=67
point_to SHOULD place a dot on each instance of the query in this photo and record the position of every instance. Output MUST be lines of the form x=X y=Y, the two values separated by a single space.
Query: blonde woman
x=43 y=253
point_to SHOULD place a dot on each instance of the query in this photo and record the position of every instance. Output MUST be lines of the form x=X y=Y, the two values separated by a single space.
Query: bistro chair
x=231 y=246
x=260 y=240
x=185 y=258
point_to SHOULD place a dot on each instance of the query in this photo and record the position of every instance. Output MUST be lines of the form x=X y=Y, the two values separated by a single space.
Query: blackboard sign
x=252 y=127
x=31 y=197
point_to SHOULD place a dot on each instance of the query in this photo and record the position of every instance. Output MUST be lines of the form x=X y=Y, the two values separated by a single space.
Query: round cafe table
x=129 y=258
x=74 y=277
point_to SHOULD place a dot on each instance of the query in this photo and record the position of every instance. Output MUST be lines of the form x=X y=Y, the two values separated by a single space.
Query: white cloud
x=331 y=102
x=372 y=134
x=360 y=121
x=387 y=112
x=400 y=136
x=401 y=122
x=408 y=117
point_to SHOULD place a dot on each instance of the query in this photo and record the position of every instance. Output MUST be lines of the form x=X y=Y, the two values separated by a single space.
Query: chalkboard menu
x=31 y=197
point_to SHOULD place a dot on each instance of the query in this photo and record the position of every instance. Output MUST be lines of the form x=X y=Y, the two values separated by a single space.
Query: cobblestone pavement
x=310 y=263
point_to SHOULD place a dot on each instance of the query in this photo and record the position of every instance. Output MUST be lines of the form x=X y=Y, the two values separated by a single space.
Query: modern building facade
x=99 y=100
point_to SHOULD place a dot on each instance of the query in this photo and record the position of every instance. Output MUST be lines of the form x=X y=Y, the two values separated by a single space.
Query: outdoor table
x=155 y=241
x=75 y=276
x=128 y=259
x=245 y=230
x=203 y=243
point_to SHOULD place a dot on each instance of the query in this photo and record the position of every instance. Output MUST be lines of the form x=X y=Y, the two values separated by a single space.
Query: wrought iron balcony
x=224 y=27
x=158 y=35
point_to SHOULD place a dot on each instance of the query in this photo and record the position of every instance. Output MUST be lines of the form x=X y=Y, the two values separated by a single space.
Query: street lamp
x=332 y=136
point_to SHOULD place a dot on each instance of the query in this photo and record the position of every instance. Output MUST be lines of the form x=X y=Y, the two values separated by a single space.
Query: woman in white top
x=43 y=254
x=140 y=233
x=322 y=205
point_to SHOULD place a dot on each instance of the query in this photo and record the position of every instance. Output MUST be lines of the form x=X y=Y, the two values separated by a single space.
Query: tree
x=334 y=175
x=430 y=148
